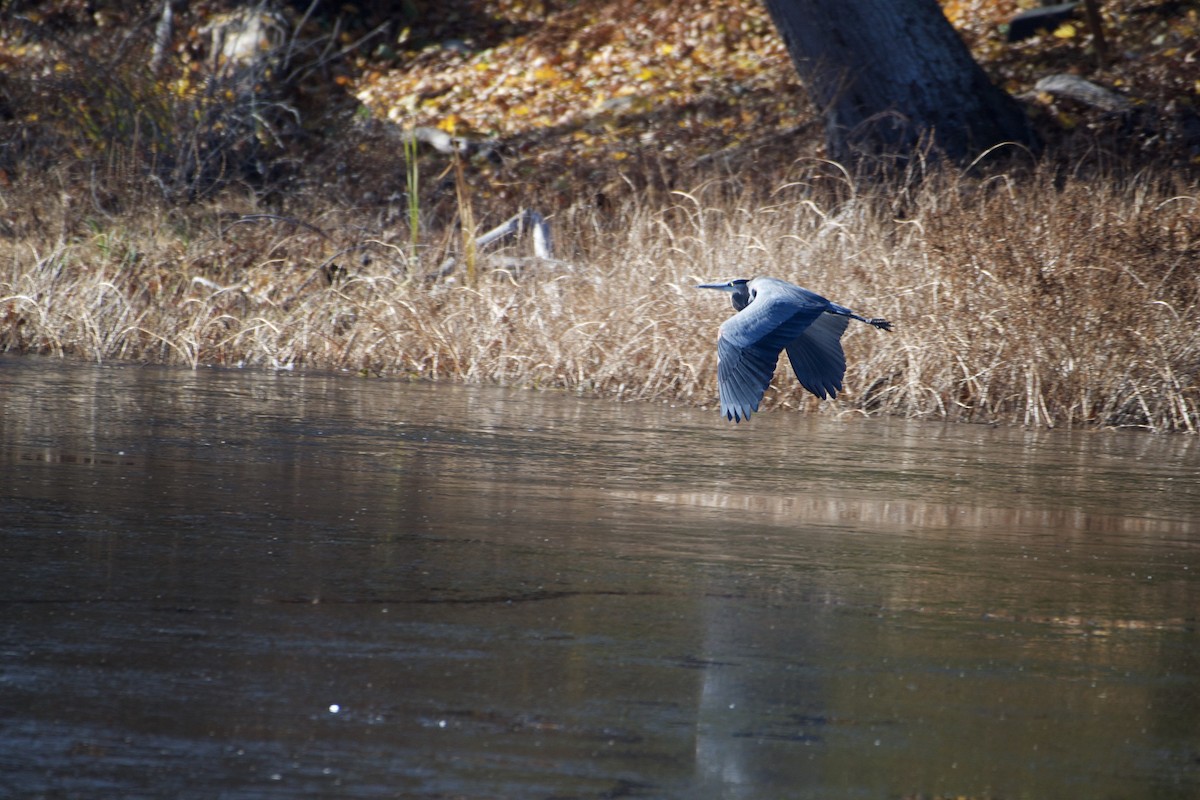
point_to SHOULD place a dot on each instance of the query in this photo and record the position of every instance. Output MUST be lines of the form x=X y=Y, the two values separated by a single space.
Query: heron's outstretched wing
x=817 y=357
x=743 y=376
x=749 y=344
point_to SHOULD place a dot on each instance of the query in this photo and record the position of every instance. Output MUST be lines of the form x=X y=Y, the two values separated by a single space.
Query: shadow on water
x=227 y=584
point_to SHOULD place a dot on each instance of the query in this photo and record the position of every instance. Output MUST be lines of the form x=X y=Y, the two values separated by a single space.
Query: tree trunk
x=891 y=76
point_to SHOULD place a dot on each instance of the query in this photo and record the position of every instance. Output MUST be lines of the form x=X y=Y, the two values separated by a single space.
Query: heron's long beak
x=721 y=287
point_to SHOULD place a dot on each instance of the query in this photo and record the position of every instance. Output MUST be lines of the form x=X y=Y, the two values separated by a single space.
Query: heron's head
x=739 y=288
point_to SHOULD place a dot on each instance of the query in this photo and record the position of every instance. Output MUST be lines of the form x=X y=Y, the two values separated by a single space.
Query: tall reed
x=1039 y=300
x=412 y=184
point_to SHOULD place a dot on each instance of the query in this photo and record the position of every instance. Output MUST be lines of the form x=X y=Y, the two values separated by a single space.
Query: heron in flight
x=774 y=315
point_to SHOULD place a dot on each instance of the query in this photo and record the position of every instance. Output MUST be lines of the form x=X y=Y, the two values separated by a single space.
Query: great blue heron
x=775 y=315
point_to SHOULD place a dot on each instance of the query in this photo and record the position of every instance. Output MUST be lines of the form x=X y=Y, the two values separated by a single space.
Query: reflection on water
x=249 y=585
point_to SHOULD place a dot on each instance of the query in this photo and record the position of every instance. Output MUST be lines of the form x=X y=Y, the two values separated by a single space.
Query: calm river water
x=245 y=585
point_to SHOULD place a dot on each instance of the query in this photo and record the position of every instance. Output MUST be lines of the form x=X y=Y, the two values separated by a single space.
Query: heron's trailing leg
x=878 y=322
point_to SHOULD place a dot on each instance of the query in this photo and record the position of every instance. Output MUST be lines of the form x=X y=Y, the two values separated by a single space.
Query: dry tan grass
x=1032 y=301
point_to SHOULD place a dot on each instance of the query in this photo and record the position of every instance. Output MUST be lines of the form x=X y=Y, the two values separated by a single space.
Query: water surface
x=242 y=585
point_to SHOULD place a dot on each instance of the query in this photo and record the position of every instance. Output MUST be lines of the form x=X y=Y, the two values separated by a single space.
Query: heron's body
x=773 y=316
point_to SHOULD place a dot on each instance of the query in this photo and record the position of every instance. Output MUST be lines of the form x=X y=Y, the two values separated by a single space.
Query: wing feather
x=743 y=376
x=817 y=357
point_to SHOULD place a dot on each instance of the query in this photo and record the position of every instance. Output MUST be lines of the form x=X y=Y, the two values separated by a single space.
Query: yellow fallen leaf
x=646 y=74
x=1065 y=31
x=547 y=74
x=620 y=155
